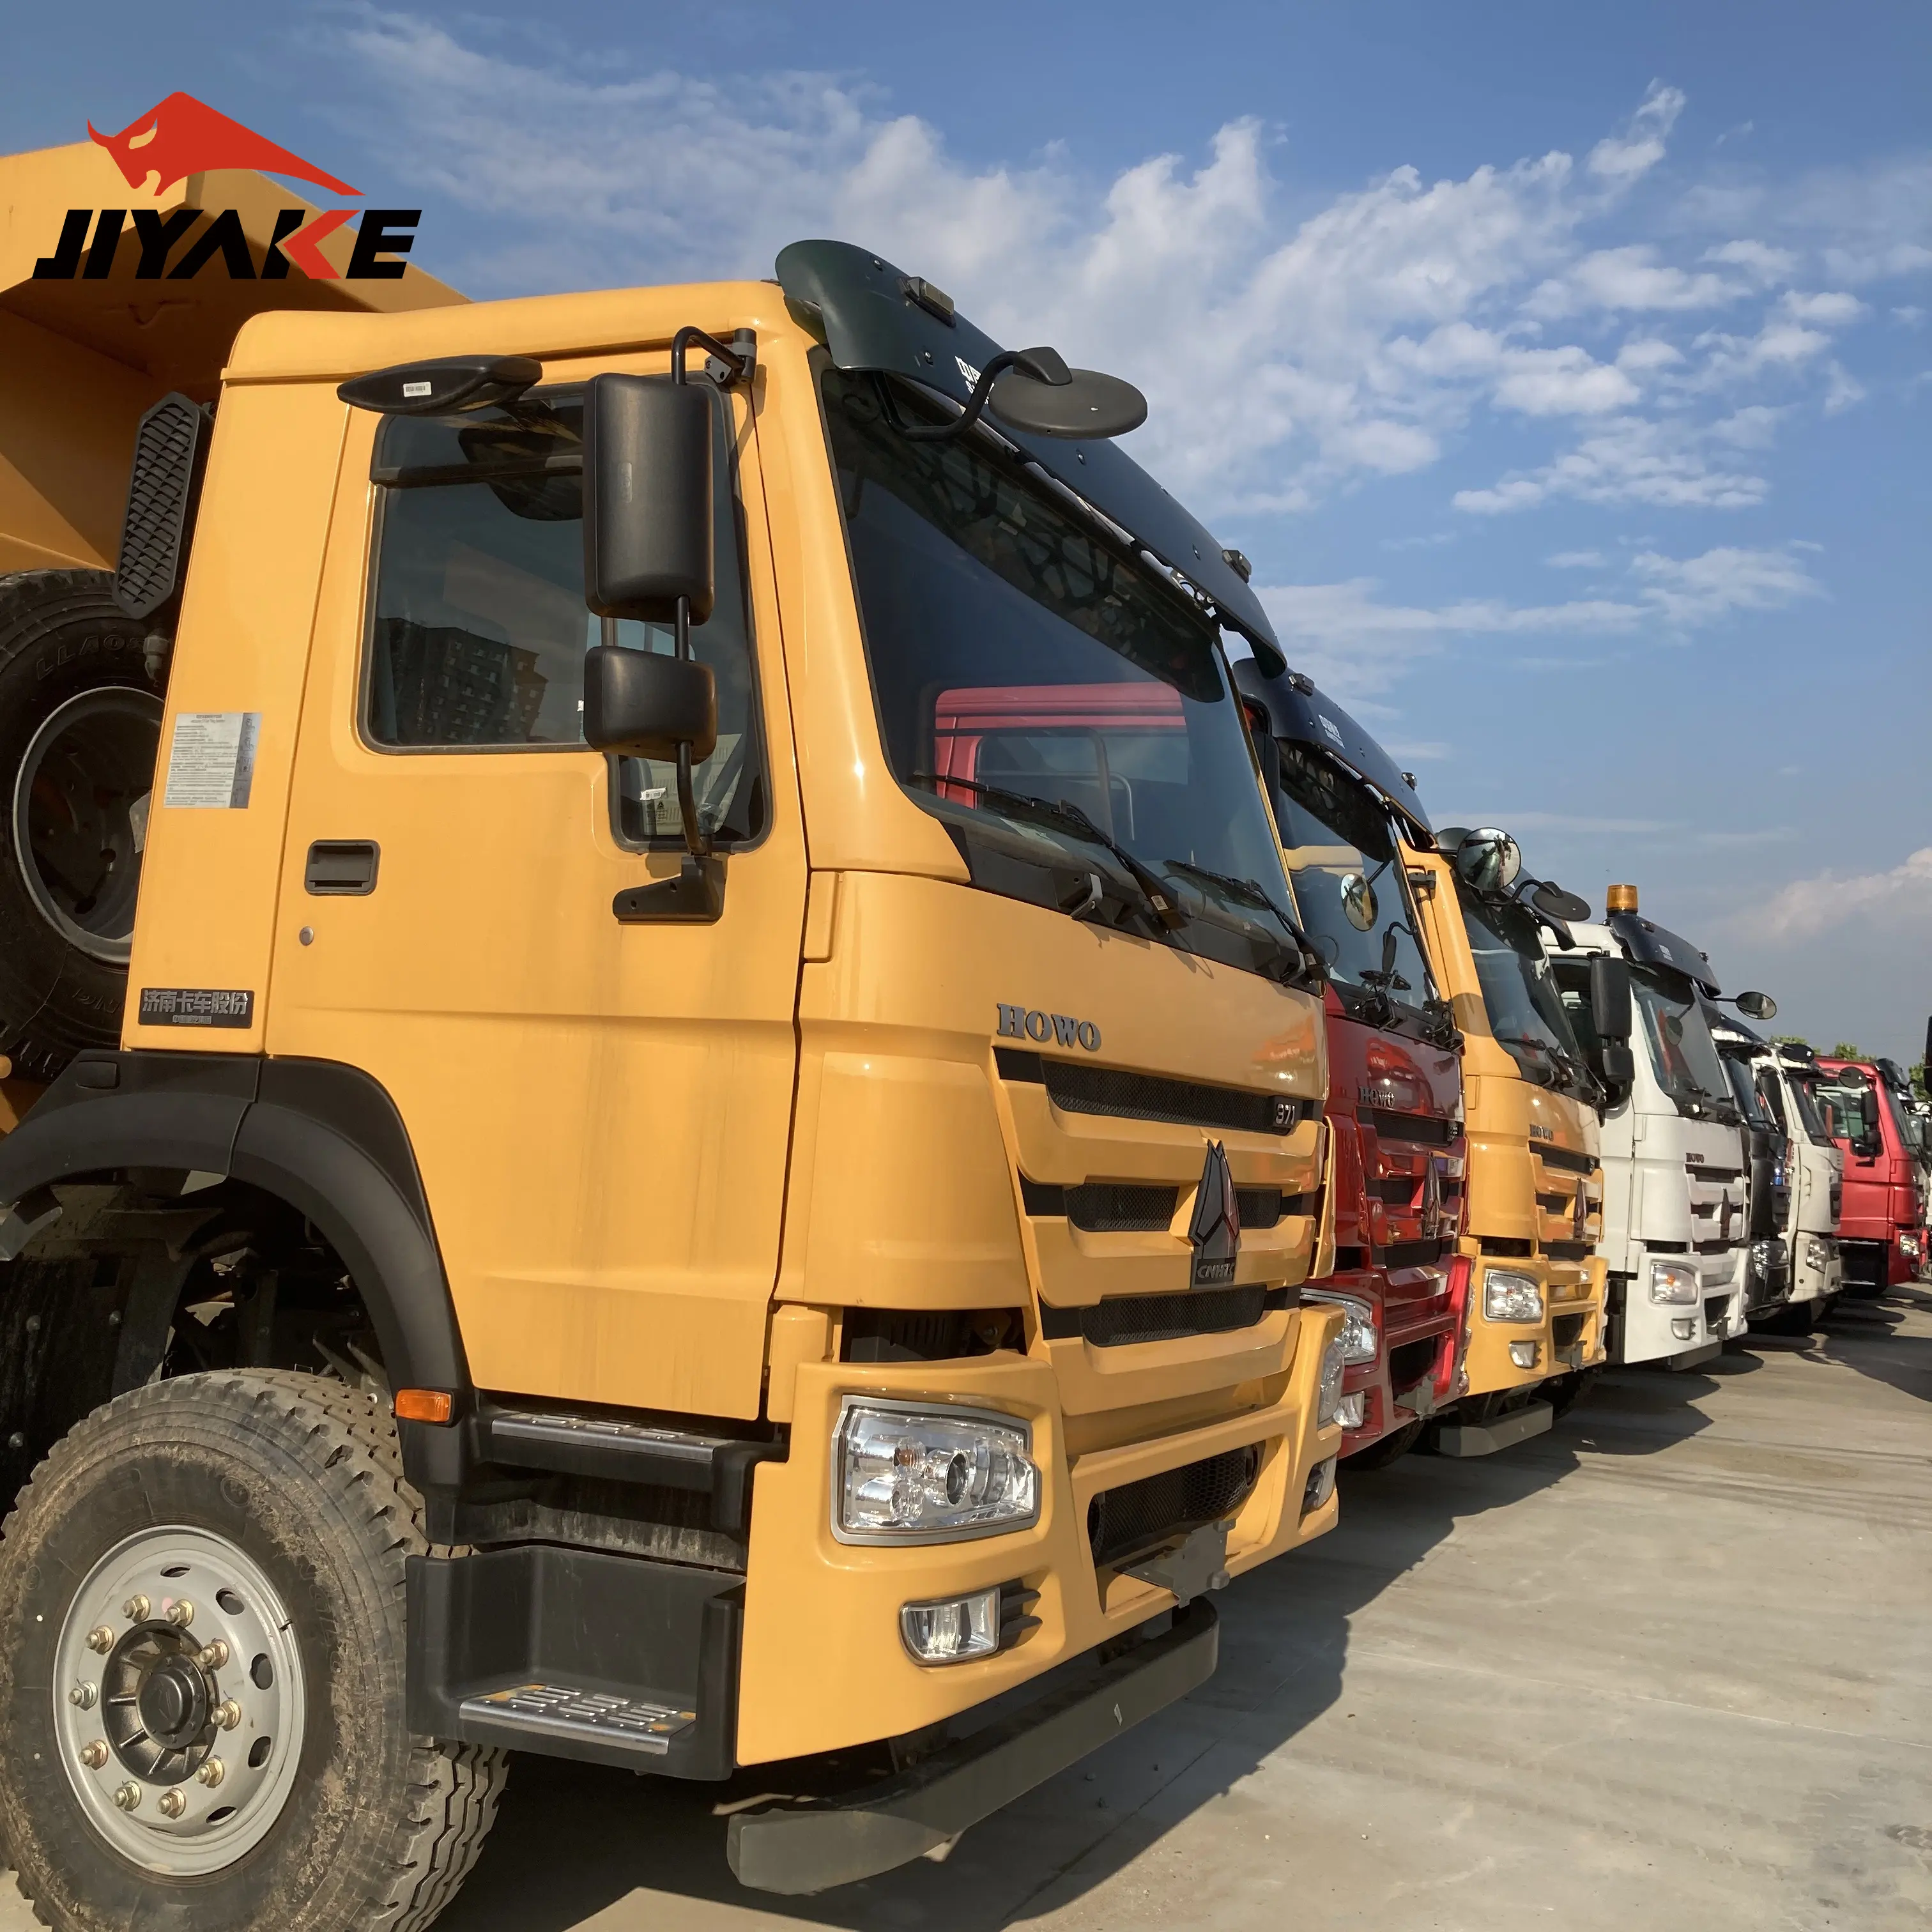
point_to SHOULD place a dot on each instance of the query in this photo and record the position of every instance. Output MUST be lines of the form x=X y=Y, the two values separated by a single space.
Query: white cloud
x=1831 y=309
x=1356 y=646
x=1808 y=906
x=1842 y=389
x=1756 y=258
x=1670 y=463
x=1630 y=277
x=1623 y=157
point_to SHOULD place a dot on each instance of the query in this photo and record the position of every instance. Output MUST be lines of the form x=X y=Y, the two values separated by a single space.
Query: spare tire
x=80 y=728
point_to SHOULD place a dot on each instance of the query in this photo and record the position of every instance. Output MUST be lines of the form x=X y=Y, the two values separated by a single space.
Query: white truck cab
x=1785 y=1074
x=1676 y=1239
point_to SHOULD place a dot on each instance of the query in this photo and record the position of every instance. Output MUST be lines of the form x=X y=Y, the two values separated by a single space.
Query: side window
x=478 y=626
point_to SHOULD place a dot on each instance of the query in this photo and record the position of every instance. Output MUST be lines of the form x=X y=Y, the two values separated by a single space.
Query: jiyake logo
x=183 y=136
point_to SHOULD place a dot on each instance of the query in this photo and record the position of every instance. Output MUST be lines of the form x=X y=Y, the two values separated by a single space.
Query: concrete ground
x=1670 y=1665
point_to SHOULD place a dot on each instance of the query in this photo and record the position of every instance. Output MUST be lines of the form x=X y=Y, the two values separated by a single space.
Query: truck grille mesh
x=167 y=449
x=1565 y=1330
x=1115 y=1093
x=1121 y=1207
x=1139 y=1517
x=1121 y=1319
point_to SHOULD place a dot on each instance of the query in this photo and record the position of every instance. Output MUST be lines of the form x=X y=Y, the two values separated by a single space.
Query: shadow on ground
x=1862 y=1335
x=573 y=1839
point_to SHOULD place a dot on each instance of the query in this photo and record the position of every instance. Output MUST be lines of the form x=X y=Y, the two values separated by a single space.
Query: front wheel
x=201 y=1684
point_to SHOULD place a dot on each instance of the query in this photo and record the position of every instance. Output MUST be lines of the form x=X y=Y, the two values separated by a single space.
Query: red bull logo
x=181 y=137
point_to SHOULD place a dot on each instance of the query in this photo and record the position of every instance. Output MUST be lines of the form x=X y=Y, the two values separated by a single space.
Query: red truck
x=1882 y=1231
x=1399 y=1159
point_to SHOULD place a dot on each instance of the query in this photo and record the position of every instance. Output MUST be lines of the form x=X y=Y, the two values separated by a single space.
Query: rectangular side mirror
x=637 y=704
x=1610 y=998
x=1617 y=1067
x=647 y=490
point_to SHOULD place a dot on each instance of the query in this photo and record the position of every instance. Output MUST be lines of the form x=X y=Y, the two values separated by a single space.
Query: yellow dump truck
x=1531 y=1282
x=700 y=1150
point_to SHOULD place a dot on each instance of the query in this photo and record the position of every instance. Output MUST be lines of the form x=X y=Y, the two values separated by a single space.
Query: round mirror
x=1553 y=899
x=1757 y=1005
x=1488 y=860
x=1090 y=405
x=1358 y=901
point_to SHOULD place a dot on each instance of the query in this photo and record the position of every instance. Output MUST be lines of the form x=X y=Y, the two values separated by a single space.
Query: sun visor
x=1651 y=945
x=870 y=315
x=1299 y=712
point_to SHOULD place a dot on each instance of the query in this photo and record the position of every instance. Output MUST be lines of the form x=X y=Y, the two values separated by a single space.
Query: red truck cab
x=1881 y=1232
x=1398 y=1162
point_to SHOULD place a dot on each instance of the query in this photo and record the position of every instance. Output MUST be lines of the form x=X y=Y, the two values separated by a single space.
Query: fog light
x=1524 y=1354
x=1817 y=1254
x=1351 y=1410
x=1684 y=1327
x=1320 y=1487
x=952 y=1629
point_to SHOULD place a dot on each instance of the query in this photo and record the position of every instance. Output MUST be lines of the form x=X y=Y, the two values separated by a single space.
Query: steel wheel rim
x=81 y=800
x=144 y=1703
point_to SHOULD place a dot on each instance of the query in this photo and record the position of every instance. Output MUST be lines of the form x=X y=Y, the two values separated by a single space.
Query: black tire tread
x=352 y=1446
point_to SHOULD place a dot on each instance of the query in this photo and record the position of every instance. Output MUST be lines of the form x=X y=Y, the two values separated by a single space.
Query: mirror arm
x=1007 y=358
x=739 y=359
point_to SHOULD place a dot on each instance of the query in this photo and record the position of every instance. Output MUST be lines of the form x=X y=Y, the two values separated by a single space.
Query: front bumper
x=1644 y=1330
x=1569 y=1337
x=1416 y=1354
x=1817 y=1273
x=824 y=1668
x=811 y=1847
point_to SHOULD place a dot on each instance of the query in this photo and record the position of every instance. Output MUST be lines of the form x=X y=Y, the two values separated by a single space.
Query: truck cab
x=1785 y=1075
x=1532 y=1293
x=707 y=1022
x=1676 y=1240
x=1397 y=1154
x=1881 y=1234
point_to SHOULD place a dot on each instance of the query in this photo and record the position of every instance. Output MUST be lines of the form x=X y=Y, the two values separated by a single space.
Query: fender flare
x=324 y=1137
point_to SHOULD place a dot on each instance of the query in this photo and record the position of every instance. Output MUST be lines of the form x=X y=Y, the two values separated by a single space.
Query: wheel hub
x=179 y=1702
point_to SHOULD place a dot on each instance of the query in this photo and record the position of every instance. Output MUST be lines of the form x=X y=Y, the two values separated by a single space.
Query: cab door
x=600 y=1110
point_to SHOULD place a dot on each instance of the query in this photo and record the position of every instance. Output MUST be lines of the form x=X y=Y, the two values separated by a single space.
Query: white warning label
x=211 y=762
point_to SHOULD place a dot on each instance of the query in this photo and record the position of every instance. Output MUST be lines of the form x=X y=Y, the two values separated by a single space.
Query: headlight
x=1334 y=1365
x=1509 y=1297
x=1360 y=1341
x=911 y=1475
x=1817 y=1253
x=1671 y=1281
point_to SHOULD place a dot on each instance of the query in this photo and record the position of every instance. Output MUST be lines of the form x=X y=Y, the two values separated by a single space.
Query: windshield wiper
x=1508 y=1039
x=1252 y=893
x=1159 y=905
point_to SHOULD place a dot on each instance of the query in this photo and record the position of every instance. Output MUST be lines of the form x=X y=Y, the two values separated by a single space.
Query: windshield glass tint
x=1743 y=1092
x=1681 y=1053
x=1349 y=890
x=1065 y=712
x=1803 y=1097
x=1519 y=991
x=1771 y=1096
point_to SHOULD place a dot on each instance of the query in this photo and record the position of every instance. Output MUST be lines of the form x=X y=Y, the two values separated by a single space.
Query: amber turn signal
x=424 y=1405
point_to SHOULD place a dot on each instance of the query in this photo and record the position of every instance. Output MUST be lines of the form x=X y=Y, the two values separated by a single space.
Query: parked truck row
x=712 y=1067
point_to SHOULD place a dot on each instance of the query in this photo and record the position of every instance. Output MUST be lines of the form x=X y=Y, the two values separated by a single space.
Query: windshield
x=1804 y=1098
x=1349 y=892
x=1681 y=1052
x=1519 y=991
x=1851 y=1113
x=1743 y=1092
x=1063 y=709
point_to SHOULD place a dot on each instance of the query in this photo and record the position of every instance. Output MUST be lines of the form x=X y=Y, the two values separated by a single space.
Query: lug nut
x=214 y=1655
x=171 y=1804
x=211 y=1772
x=136 y=1609
x=101 y=1639
x=94 y=1756
x=128 y=1796
x=228 y=1715
x=83 y=1697
x=181 y=1615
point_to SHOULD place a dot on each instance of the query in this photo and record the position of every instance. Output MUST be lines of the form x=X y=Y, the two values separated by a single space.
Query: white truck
x=1676 y=1224
x=1785 y=1074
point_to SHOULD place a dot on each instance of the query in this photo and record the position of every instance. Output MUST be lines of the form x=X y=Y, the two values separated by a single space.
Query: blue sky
x=1566 y=372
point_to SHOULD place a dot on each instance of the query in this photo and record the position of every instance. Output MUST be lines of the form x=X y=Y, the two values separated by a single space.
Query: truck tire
x=273 y=1504
x=80 y=725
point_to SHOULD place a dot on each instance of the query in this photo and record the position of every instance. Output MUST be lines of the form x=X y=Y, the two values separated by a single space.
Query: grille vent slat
x=161 y=492
x=1138 y=1517
x=1115 y=1093
x=1422 y=1127
x=1119 y=1319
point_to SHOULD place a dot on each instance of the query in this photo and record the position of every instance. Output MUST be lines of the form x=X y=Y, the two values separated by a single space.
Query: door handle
x=342 y=867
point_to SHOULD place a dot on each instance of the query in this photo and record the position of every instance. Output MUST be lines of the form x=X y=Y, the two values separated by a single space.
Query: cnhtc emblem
x=1215 y=1232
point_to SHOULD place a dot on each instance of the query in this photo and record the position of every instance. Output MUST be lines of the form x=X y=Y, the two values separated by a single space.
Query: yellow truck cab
x=1531 y=1281
x=710 y=1158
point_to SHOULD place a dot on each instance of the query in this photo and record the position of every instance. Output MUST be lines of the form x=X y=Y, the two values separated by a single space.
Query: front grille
x=1119 y=1095
x=1699 y=1170
x=1510 y=1246
x=1260 y=1206
x=1139 y=1517
x=1409 y=1363
x=1566 y=1329
x=1125 y=1207
x=1568 y=1251
x=1412 y=1127
x=1571 y=1163
x=1413 y=1254
x=1117 y=1319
